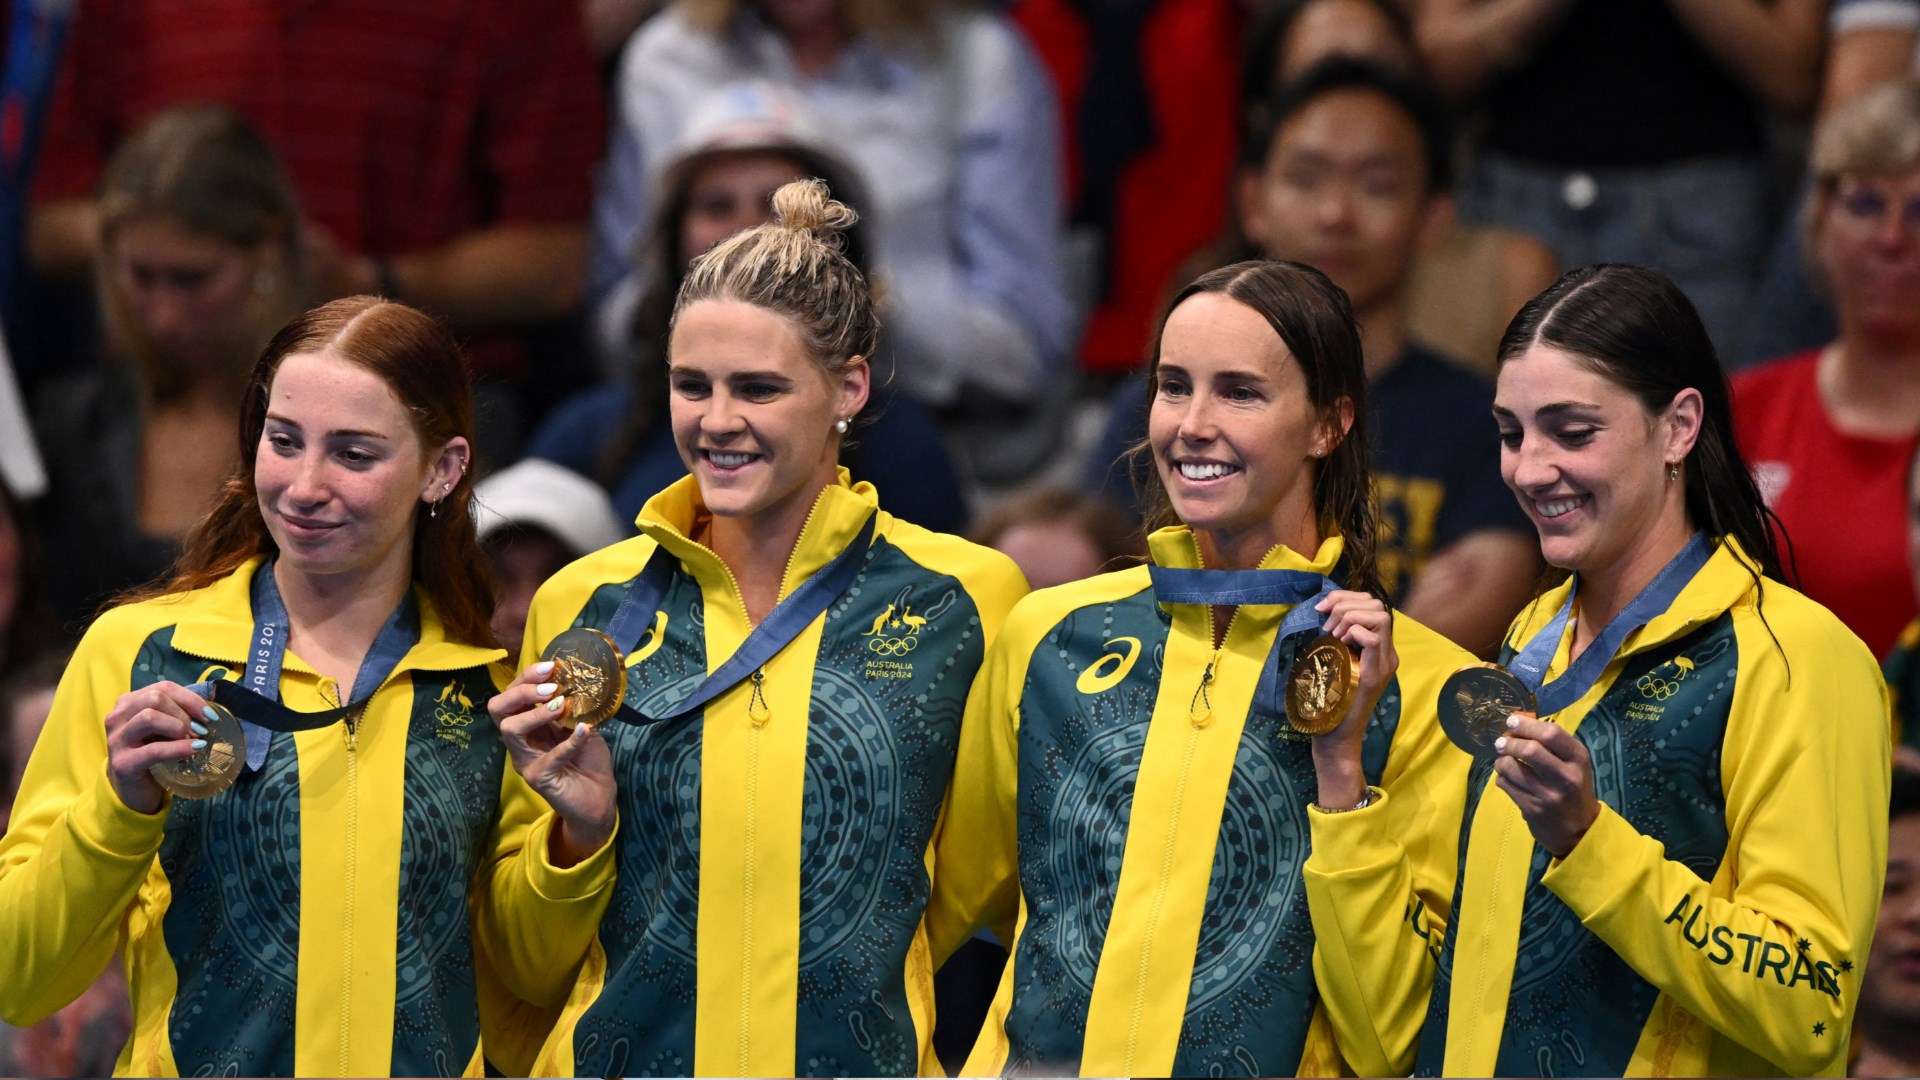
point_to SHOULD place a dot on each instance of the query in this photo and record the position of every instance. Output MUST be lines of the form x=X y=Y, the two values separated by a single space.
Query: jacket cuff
x=580 y=881
x=1352 y=840
x=104 y=823
x=1595 y=874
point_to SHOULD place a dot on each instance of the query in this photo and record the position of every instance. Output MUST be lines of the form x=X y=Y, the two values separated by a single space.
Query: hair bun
x=806 y=206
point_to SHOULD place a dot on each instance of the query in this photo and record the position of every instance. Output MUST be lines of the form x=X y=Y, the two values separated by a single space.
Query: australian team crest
x=895 y=634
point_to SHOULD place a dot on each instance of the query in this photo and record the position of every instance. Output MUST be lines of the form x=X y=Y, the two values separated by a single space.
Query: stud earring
x=840 y=425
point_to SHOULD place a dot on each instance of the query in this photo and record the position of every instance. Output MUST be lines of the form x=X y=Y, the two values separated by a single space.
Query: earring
x=433 y=508
x=1673 y=470
x=840 y=425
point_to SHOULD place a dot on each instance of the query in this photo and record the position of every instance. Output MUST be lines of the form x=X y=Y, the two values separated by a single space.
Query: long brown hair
x=427 y=370
x=1315 y=320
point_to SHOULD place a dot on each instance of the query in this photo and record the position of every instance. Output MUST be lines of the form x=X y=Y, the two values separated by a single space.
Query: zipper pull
x=1200 y=711
x=353 y=734
x=757 y=710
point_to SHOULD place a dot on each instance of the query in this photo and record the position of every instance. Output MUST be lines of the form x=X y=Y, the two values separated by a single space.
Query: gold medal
x=592 y=674
x=1325 y=678
x=1475 y=703
x=211 y=769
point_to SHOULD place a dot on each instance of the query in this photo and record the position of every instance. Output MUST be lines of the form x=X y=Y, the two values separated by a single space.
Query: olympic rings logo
x=892 y=646
x=1652 y=686
x=449 y=718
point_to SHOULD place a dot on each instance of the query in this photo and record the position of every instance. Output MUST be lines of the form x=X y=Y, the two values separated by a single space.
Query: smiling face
x=1233 y=433
x=340 y=471
x=1588 y=462
x=753 y=414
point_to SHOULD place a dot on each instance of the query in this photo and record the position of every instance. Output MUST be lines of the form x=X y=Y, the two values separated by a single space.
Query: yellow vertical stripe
x=1146 y=965
x=752 y=776
x=149 y=1052
x=351 y=805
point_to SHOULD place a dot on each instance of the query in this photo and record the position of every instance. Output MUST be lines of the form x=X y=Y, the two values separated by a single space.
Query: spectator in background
x=738 y=147
x=1830 y=431
x=24 y=624
x=945 y=113
x=1469 y=279
x=1902 y=667
x=1654 y=154
x=198 y=265
x=1148 y=112
x=1351 y=176
x=1888 y=1023
x=442 y=149
x=1057 y=535
x=533 y=519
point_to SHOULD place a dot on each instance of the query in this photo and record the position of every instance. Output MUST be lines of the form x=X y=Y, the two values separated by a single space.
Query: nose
x=1197 y=423
x=722 y=418
x=309 y=485
x=1333 y=208
x=1532 y=464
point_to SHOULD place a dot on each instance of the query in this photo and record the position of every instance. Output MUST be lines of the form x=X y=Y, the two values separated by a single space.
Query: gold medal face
x=591 y=673
x=1324 y=680
x=211 y=769
x=1475 y=703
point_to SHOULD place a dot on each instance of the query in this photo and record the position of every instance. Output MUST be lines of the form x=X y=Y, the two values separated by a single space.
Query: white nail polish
x=1512 y=722
x=1500 y=744
x=542 y=668
x=546 y=688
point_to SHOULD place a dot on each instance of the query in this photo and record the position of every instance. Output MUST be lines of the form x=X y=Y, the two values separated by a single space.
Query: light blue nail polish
x=198 y=727
x=199 y=744
x=212 y=717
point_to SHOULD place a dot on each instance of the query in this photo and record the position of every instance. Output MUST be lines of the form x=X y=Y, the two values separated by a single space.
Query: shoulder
x=989 y=577
x=567 y=591
x=1422 y=648
x=1784 y=632
x=118 y=633
x=1040 y=611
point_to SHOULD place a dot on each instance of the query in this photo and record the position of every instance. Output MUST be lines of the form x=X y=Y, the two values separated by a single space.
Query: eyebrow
x=682 y=369
x=1558 y=408
x=1243 y=375
x=337 y=433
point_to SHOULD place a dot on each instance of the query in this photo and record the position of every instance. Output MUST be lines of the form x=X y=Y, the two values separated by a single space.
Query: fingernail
x=198 y=727
x=542 y=668
x=1500 y=744
x=546 y=688
x=556 y=704
x=212 y=717
x=199 y=744
x=1512 y=722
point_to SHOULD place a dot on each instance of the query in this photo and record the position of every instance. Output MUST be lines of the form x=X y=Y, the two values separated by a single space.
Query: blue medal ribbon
x=1302 y=588
x=1530 y=663
x=785 y=622
x=255 y=699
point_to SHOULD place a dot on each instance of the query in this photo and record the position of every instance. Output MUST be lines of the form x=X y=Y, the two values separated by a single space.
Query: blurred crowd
x=1033 y=178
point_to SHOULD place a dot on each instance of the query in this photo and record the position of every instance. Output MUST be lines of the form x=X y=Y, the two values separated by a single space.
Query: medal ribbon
x=255 y=699
x=1530 y=664
x=784 y=623
x=1301 y=588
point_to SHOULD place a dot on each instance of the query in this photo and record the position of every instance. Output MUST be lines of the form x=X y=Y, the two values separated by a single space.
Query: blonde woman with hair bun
x=732 y=872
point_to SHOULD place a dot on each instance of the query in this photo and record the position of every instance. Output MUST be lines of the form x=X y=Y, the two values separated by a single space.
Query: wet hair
x=203 y=170
x=1314 y=319
x=795 y=266
x=419 y=360
x=1337 y=74
x=1635 y=328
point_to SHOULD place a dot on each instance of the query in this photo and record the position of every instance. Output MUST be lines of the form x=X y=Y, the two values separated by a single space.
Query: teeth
x=1204 y=472
x=1556 y=508
x=728 y=461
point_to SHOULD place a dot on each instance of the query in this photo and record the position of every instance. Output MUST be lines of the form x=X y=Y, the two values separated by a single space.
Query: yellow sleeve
x=74 y=856
x=536 y=921
x=1775 y=967
x=1379 y=887
x=976 y=873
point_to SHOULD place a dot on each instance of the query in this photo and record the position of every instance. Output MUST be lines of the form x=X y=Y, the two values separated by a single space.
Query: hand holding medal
x=1339 y=673
x=165 y=739
x=571 y=769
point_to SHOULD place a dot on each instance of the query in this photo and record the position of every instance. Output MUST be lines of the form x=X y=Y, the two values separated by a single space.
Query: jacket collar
x=672 y=516
x=217 y=623
x=1175 y=547
x=1724 y=582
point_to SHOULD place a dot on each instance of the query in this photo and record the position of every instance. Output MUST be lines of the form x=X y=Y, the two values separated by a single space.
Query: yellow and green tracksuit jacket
x=313 y=918
x=1902 y=671
x=1715 y=918
x=1161 y=826
x=765 y=888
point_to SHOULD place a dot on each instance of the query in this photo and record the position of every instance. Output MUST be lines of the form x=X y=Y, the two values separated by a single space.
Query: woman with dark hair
x=1129 y=730
x=1673 y=852
x=289 y=888
x=744 y=845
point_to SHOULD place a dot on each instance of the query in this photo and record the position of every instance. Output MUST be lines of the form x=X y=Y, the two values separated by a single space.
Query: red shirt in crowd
x=1842 y=498
x=402 y=125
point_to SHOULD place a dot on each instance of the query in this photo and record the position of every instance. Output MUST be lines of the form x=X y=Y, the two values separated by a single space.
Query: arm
x=1496 y=567
x=1806 y=774
x=1465 y=42
x=75 y=855
x=1380 y=880
x=1869 y=43
x=493 y=276
x=1773 y=48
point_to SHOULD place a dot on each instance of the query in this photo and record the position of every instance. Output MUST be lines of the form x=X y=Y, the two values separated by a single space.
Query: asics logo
x=1112 y=667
